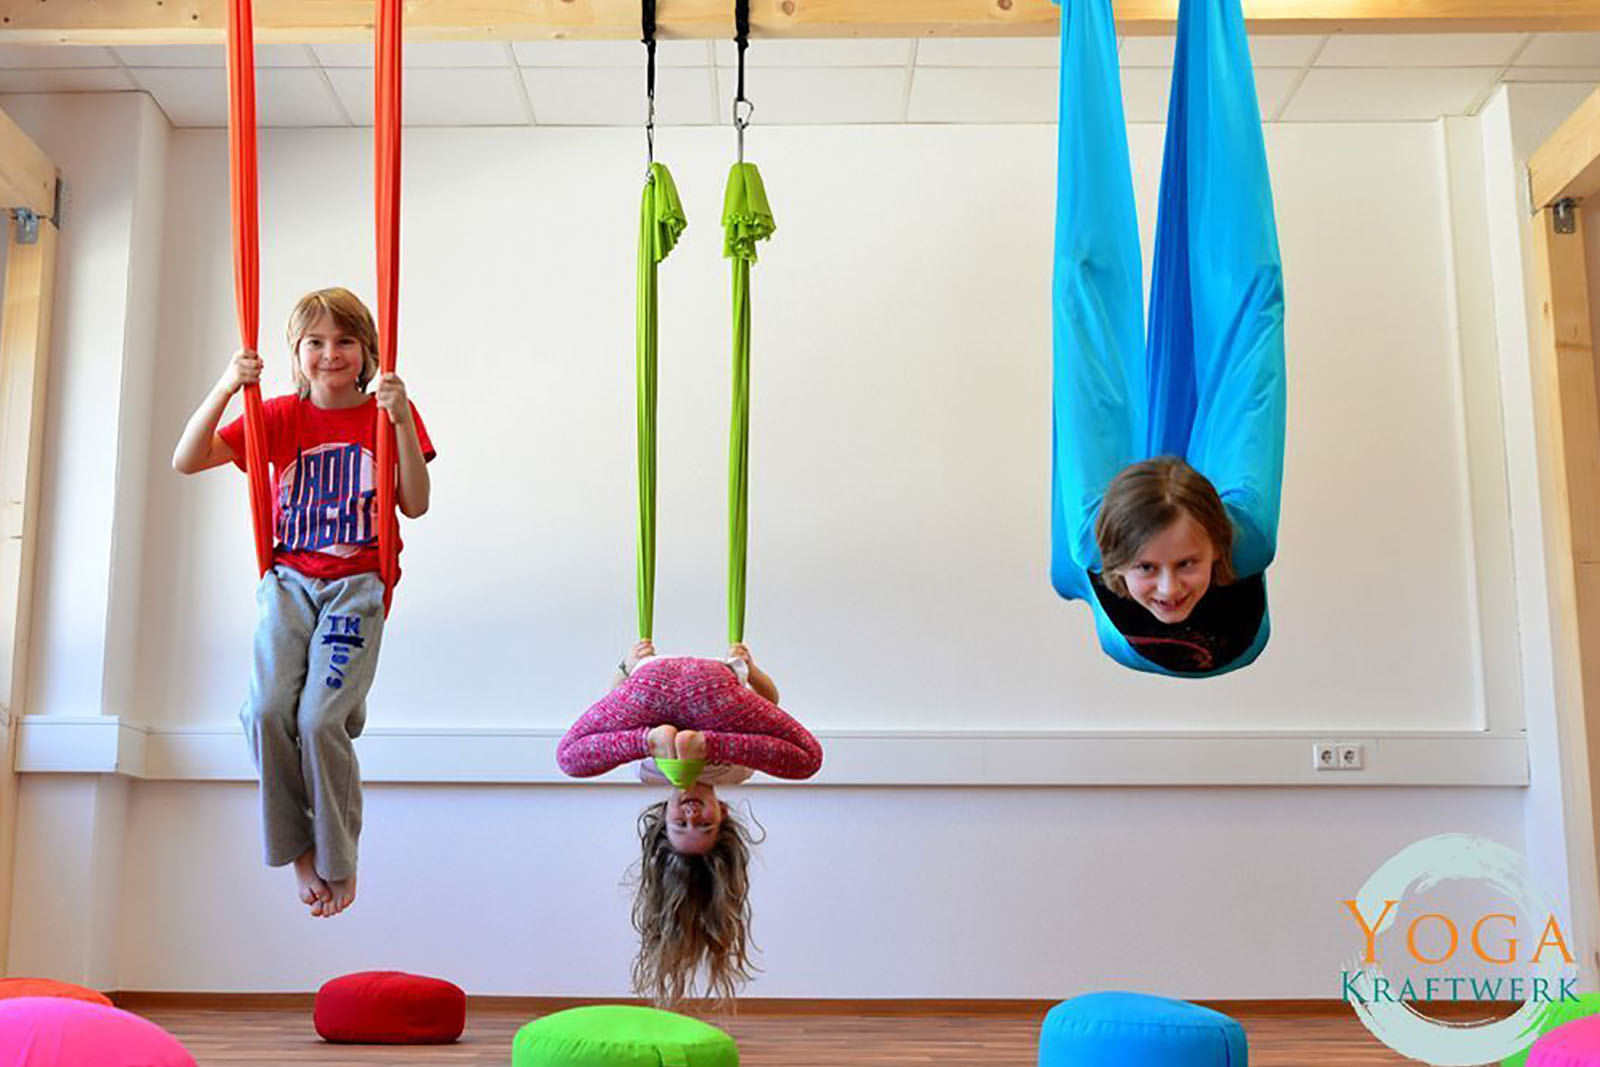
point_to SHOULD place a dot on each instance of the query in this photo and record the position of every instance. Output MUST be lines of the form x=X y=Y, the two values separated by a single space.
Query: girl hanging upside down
x=694 y=724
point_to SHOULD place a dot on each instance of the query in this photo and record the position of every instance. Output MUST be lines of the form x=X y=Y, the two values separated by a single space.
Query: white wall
x=900 y=476
x=898 y=566
x=1513 y=125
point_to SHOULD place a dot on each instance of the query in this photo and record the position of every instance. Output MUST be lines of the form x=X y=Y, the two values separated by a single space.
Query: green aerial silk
x=746 y=219
x=682 y=773
x=661 y=222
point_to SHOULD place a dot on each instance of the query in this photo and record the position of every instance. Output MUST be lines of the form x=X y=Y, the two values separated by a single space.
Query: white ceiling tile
x=1147 y=51
x=290 y=97
x=1536 y=75
x=1265 y=51
x=53 y=56
x=797 y=96
x=211 y=55
x=74 y=80
x=1562 y=50
x=954 y=94
x=610 y=54
x=1421 y=50
x=842 y=52
x=1273 y=85
x=189 y=96
x=578 y=97
x=1386 y=95
x=418 y=54
x=1283 y=50
x=438 y=97
x=988 y=52
x=1144 y=93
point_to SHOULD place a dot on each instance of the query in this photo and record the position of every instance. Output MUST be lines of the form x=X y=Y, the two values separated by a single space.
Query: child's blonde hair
x=1146 y=498
x=348 y=314
x=691 y=911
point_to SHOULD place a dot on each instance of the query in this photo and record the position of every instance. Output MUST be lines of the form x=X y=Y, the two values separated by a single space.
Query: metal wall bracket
x=1566 y=216
x=27 y=225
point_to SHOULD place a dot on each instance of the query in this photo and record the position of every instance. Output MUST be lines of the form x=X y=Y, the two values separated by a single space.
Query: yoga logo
x=1459 y=919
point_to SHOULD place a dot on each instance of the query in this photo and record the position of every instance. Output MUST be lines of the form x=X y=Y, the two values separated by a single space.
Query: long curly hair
x=692 y=912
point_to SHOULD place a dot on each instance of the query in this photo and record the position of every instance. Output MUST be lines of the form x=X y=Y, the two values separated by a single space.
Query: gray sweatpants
x=316 y=652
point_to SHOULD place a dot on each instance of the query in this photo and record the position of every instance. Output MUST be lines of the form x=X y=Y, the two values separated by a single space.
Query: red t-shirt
x=323 y=476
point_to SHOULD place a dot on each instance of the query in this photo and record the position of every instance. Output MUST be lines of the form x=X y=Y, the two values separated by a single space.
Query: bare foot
x=691 y=744
x=341 y=895
x=662 y=741
x=313 y=890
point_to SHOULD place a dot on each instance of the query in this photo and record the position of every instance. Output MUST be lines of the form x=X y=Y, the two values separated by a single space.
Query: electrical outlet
x=1325 y=756
x=1351 y=757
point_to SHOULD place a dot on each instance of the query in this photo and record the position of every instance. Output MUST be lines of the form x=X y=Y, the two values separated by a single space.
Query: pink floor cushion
x=390 y=1008
x=1574 y=1044
x=49 y=987
x=62 y=1032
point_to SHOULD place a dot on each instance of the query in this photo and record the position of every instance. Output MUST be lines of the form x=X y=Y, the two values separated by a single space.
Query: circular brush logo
x=1454 y=919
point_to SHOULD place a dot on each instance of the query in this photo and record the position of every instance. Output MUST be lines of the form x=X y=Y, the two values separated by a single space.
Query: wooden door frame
x=30 y=213
x=1564 y=187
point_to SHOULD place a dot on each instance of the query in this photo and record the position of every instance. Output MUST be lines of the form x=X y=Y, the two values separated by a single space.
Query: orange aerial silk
x=246 y=260
x=386 y=138
x=246 y=265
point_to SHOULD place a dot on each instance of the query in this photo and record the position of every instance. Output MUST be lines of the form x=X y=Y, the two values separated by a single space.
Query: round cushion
x=621 y=1035
x=390 y=1008
x=1135 y=1030
x=1557 y=1013
x=47 y=987
x=1573 y=1044
x=62 y=1032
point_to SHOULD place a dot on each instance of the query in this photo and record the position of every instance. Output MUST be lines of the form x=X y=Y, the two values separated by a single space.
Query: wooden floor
x=267 y=1038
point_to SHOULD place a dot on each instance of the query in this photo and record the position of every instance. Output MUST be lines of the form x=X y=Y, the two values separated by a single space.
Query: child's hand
x=392 y=399
x=244 y=368
x=741 y=651
x=691 y=744
x=638 y=652
x=662 y=740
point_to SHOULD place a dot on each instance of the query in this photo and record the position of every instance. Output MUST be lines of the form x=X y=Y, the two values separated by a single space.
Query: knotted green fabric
x=746 y=219
x=682 y=773
x=661 y=222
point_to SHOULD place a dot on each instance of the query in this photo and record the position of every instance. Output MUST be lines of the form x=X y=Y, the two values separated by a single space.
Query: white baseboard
x=60 y=745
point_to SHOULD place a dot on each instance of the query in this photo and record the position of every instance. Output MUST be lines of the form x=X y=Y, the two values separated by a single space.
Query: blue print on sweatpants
x=344 y=633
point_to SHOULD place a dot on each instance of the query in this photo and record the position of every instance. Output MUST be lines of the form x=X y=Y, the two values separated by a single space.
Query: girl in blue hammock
x=1168 y=457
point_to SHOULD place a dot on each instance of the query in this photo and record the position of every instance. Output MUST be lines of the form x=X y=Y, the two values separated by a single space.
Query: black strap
x=741 y=37
x=649 y=26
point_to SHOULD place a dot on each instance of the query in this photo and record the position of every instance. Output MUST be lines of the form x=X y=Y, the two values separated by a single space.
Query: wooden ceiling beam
x=1567 y=166
x=188 y=21
x=27 y=177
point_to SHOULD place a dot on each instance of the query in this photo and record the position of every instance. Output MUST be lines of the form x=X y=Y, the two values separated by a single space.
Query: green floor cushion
x=619 y=1035
x=1555 y=1014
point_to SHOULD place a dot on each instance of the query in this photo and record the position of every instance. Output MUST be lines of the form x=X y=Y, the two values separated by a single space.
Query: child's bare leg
x=313 y=890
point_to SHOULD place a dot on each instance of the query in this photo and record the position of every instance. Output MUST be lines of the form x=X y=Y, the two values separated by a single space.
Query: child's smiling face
x=1172 y=570
x=331 y=360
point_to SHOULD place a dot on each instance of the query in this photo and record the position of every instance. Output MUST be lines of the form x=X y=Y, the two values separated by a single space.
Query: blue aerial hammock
x=1206 y=380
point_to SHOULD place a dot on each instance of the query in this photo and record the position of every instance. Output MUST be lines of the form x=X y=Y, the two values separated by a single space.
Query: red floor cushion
x=61 y=1032
x=390 y=1008
x=49 y=987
